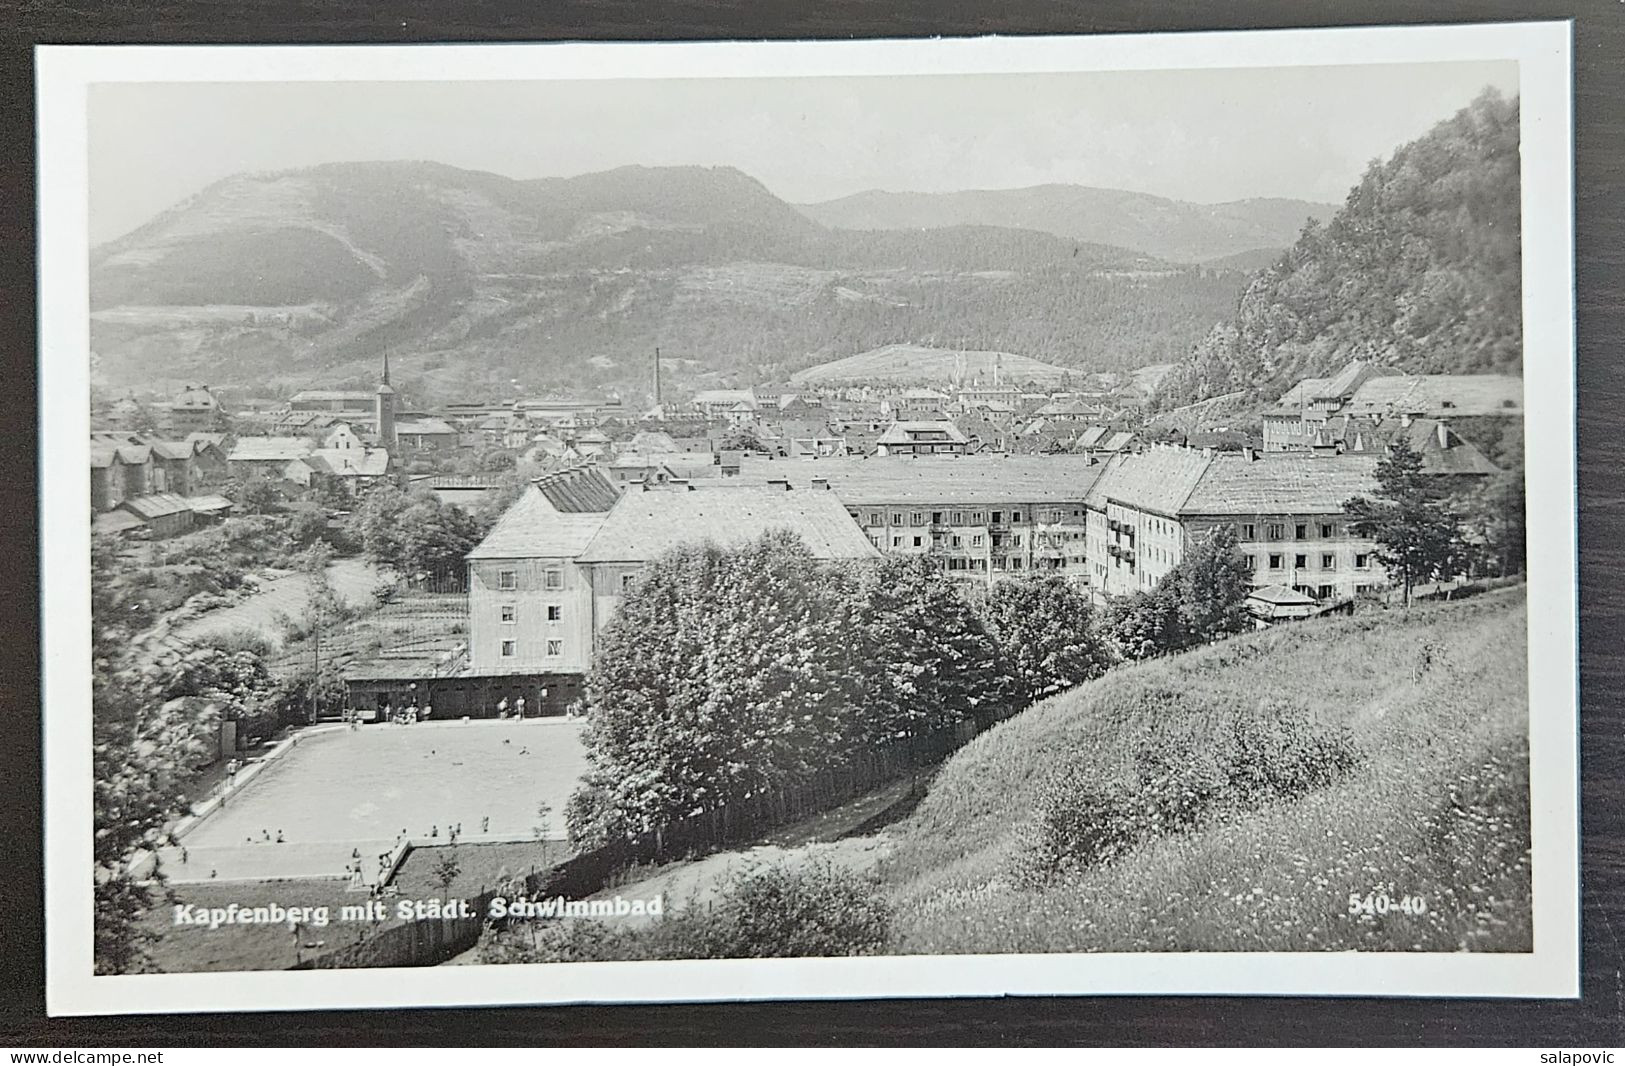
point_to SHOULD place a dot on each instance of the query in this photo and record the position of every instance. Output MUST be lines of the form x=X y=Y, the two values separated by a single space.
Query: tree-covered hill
x=471 y=280
x=1420 y=270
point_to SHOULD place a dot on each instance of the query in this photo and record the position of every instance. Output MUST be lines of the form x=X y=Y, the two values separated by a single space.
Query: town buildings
x=159 y=486
x=1148 y=509
x=939 y=437
x=553 y=569
x=979 y=517
x=1308 y=414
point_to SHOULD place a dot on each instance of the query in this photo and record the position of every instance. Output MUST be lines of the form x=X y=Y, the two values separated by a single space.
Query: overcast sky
x=1201 y=135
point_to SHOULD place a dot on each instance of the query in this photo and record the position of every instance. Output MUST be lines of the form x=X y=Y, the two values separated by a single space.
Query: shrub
x=782 y=911
x=239 y=639
x=785 y=912
x=1182 y=777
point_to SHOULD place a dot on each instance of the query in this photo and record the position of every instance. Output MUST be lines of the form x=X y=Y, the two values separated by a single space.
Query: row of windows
x=959 y=518
x=957 y=541
x=510 y=613
x=1328 y=561
x=508 y=580
x=1277 y=530
x=510 y=648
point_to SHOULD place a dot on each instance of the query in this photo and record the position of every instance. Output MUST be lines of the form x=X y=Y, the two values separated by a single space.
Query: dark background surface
x=1598 y=1018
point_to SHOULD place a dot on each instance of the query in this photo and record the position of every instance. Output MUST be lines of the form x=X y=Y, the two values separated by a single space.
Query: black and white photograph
x=598 y=523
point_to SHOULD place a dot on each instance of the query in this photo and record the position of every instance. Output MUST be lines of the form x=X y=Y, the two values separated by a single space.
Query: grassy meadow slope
x=1429 y=800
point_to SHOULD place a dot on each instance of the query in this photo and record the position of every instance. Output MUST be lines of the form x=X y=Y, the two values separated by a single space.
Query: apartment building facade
x=980 y=517
x=1286 y=509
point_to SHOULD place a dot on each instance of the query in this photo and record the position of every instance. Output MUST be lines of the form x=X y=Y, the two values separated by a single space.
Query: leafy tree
x=927 y=660
x=1046 y=629
x=497 y=460
x=145 y=750
x=446 y=872
x=1416 y=527
x=721 y=673
x=1210 y=587
x=495 y=503
x=1201 y=600
x=416 y=534
x=741 y=438
x=1497 y=521
x=1145 y=623
x=256 y=495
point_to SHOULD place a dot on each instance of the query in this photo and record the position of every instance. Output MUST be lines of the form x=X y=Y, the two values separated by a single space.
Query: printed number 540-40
x=1383 y=903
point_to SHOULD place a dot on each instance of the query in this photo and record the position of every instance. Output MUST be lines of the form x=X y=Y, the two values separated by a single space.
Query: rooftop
x=1280 y=483
x=643 y=525
x=555 y=518
x=968 y=479
x=1159 y=479
x=1281 y=596
x=911 y=432
x=1458 y=395
x=270 y=449
x=353 y=462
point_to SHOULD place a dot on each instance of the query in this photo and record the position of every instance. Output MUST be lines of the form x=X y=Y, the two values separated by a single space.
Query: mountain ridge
x=481 y=279
x=1174 y=230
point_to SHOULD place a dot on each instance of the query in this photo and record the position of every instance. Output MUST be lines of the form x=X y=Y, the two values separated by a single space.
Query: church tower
x=386 y=409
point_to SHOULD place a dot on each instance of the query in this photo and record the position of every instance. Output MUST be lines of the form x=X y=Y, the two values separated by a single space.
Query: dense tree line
x=1420 y=269
x=729 y=671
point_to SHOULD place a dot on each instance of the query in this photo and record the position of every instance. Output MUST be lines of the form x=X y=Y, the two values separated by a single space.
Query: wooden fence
x=430 y=942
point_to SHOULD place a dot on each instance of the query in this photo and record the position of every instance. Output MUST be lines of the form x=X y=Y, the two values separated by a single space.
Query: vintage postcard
x=640 y=522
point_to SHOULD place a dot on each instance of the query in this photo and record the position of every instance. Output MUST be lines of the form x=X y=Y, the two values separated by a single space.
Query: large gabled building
x=552 y=572
x=979 y=517
x=1147 y=510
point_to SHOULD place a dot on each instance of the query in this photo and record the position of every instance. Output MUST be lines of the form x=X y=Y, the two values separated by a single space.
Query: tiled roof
x=578 y=491
x=651 y=441
x=538 y=527
x=1159 y=479
x=354 y=462
x=156 y=505
x=1344 y=382
x=419 y=426
x=1453 y=455
x=172 y=449
x=1280 y=483
x=645 y=524
x=1091 y=437
x=207 y=504
x=725 y=396
x=269 y=449
x=1458 y=395
x=115 y=522
x=1304 y=391
x=907 y=433
x=968 y=479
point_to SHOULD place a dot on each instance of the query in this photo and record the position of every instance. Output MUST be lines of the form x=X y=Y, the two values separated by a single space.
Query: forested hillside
x=471 y=280
x=1169 y=229
x=1420 y=270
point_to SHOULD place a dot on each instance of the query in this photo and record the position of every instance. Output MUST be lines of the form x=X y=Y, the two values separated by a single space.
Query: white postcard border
x=1543 y=51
